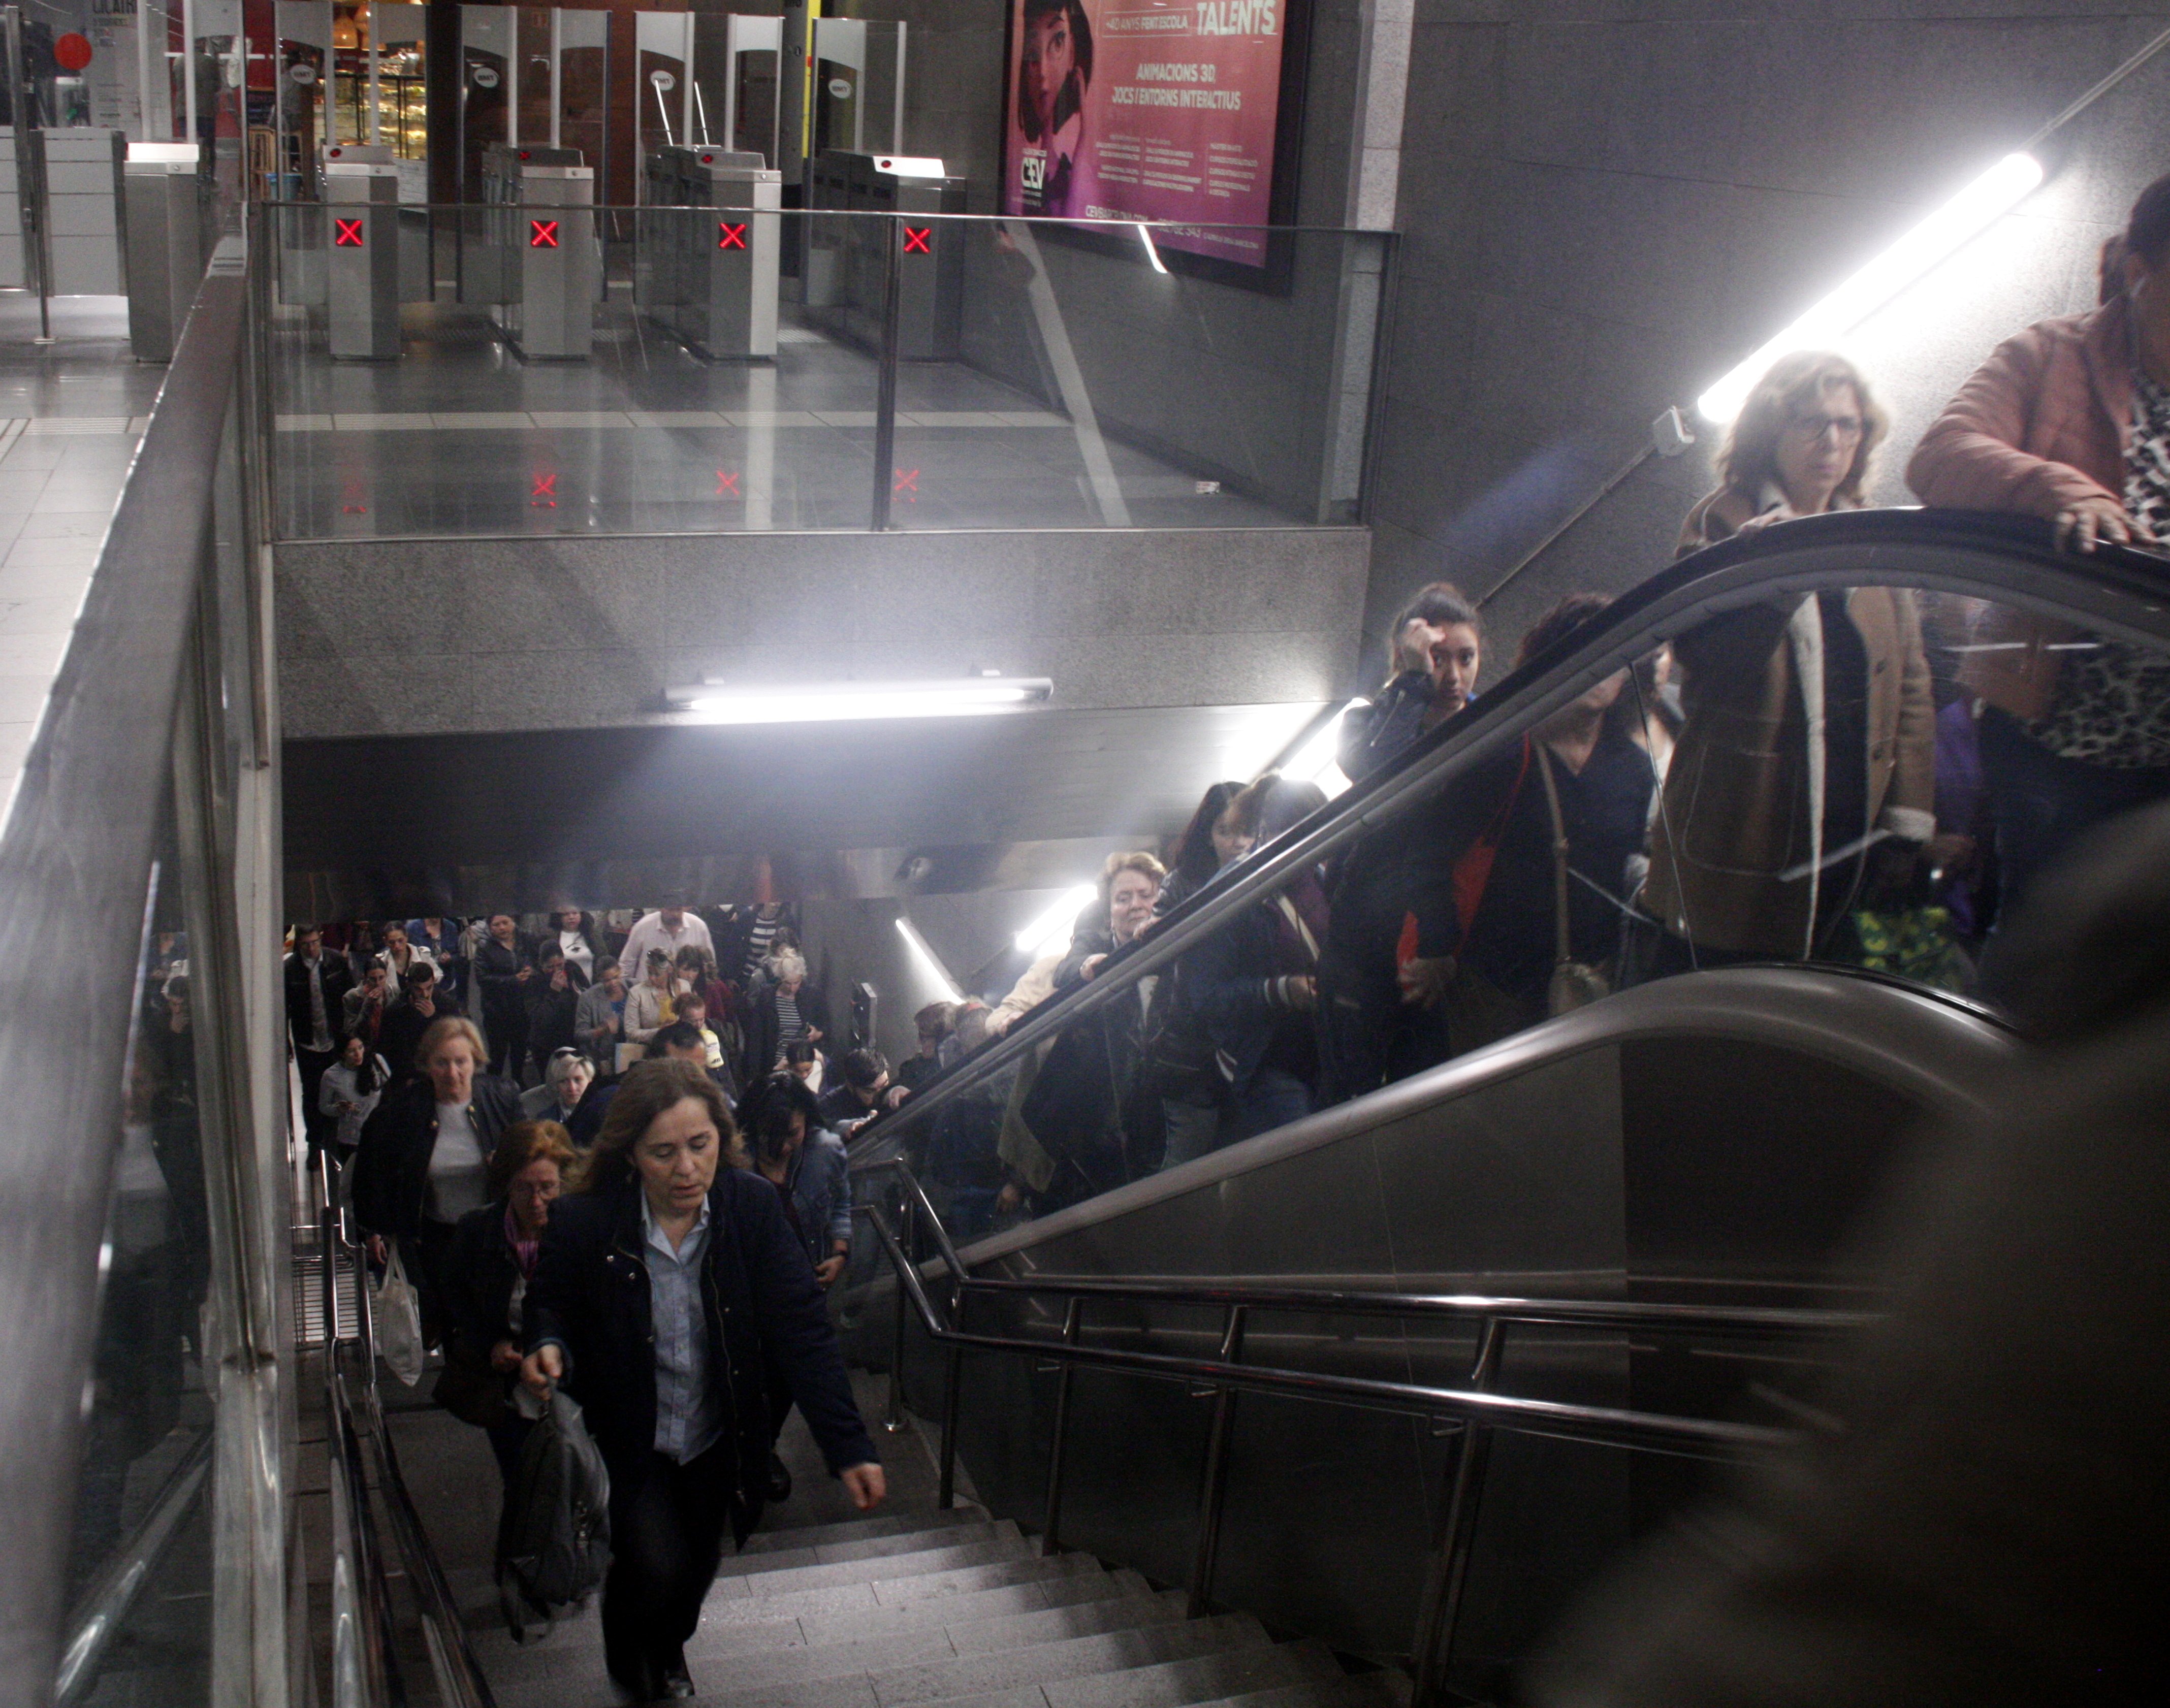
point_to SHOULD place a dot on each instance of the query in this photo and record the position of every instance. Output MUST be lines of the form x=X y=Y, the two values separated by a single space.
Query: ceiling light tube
x=1051 y=929
x=929 y=960
x=830 y=702
x=1318 y=759
x=1966 y=215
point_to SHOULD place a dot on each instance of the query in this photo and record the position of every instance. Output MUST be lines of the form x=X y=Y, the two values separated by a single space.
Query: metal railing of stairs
x=1469 y=1416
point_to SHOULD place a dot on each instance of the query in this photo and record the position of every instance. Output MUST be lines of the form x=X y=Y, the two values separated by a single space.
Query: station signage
x=1177 y=110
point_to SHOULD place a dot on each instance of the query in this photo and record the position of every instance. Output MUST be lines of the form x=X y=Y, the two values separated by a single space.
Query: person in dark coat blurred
x=786 y=1008
x=1980 y=1523
x=1435 y=651
x=316 y=986
x=553 y=998
x=501 y=968
x=487 y=1274
x=669 y=1285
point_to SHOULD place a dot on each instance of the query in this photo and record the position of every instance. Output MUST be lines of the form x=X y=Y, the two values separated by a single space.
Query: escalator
x=1687 y=1158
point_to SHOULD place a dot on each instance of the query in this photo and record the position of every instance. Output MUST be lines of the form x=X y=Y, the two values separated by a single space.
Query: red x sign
x=545 y=495
x=541 y=234
x=727 y=483
x=729 y=237
x=347 y=234
x=907 y=481
x=917 y=239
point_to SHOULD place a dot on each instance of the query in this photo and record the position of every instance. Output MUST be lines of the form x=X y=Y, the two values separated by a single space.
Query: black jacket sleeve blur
x=479 y=1273
x=1373 y=734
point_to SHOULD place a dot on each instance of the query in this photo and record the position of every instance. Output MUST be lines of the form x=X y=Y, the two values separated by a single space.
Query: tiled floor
x=70 y=415
x=459 y=436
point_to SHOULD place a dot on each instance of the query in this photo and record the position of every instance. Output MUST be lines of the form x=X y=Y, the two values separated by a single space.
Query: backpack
x=553 y=1542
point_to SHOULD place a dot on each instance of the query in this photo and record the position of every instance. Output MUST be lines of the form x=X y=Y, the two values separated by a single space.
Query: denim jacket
x=821 y=1187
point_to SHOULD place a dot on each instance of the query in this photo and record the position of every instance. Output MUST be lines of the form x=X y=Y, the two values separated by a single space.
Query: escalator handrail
x=1365 y=1302
x=2120 y=588
x=461 y=1680
x=1606 y=1425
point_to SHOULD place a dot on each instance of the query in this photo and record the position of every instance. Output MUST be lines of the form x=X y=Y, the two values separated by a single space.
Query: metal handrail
x=358 y=1427
x=2014 y=560
x=1472 y=1413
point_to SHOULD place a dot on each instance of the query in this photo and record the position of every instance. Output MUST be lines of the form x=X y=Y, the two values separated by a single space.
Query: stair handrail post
x=1073 y=1318
x=1215 y=1482
x=895 y=1423
x=953 y=1381
x=1448 y=1576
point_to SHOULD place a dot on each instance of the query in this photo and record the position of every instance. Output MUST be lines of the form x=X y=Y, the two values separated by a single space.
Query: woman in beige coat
x=1808 y=755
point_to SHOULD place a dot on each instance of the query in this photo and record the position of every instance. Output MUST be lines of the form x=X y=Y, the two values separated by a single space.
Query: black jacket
x=336 y=983
x=400 y=1035
x=763 y=1033
x=767 y=1317
x=550 y=1012
x=497 y=970
x=480 y=1273
x=1373 y=734
x=392 y=1163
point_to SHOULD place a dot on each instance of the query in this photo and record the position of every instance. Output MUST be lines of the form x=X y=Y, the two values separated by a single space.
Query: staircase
x=945 y=1608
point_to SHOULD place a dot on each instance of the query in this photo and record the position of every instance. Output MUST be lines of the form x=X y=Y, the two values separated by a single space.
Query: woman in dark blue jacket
x=669 y=1285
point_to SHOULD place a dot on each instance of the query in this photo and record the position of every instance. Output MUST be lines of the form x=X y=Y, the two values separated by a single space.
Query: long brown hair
x=1750 y=458
x=650 y=1089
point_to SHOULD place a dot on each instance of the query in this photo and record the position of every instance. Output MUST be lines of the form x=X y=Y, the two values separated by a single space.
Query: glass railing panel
x=531 y=370
x=1861 y=774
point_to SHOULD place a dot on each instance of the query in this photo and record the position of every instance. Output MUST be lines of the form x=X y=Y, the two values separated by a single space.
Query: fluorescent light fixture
x=1153 y=254
x=1973 y=211
x=929 y=962
x=831 y=703
x=1051 y=930
x=1316 y=762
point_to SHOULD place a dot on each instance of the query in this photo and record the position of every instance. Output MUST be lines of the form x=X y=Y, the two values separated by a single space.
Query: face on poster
x=1146 y=109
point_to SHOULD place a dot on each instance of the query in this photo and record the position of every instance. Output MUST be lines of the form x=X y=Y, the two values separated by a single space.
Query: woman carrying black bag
x=670 y=1284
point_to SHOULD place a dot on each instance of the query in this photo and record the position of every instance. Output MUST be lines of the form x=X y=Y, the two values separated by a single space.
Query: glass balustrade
x=693 y=370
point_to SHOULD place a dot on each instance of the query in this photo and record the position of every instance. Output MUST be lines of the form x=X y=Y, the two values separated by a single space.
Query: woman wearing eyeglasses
x=1805 y=770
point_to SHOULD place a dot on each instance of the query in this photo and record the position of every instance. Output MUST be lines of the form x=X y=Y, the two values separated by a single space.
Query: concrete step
x=741 y=1610
x=858 y=1529
x=914 y=1542
x=1363 y=1690
x=1198 y=1680
x=1072 y=1657
x=942 y=1612
x=924 y=1562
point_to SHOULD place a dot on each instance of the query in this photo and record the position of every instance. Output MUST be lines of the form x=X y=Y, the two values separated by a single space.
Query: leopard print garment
x=2113 y=704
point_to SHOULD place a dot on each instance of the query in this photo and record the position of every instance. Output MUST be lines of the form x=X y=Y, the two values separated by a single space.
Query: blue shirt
x=686 y=1415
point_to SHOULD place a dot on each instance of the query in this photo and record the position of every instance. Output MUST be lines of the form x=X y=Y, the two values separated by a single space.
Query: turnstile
x=165 y=244
x=535 y=77
x=542 y=250
x=706 y=270
x=361 y=262
x=847 y=260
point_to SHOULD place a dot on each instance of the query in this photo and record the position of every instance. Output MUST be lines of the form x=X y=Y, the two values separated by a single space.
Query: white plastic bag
x=397 y=1314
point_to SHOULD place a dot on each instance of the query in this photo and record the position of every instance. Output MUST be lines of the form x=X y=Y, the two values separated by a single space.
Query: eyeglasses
x=1816 y=426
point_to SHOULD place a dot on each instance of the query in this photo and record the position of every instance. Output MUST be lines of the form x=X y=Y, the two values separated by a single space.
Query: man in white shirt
x=669 y=929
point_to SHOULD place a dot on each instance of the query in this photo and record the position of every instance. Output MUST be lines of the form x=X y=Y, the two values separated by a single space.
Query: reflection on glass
x=142 y=1496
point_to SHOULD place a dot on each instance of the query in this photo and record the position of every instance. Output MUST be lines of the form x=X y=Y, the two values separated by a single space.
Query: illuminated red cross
x=729 y=237
x=917 y=239
x=348 y=236
x=907 y=483
x=543 y=234
x=727 y=483
x=545 y=495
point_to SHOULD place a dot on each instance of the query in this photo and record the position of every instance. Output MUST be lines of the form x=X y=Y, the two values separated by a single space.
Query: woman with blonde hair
x=670 y=1292
x=1804 y=774
x=422 y=1162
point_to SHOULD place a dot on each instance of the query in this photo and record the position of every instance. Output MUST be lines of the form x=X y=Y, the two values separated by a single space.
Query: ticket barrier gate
x=305 y=235
x=361 y=262
x=165 y=244
x=847 y=260
x=711 y=244
x=539 y=265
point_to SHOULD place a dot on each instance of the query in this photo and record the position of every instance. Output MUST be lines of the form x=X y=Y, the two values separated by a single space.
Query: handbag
x=1575 y=984
x=553 y=1540
x=396 y=1312
x=473 y=1393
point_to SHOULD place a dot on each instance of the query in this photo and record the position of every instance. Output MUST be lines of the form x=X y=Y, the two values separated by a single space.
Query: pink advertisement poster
x=1146 y=109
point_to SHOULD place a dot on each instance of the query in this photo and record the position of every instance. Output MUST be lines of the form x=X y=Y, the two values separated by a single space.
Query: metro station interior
x=1059 y=855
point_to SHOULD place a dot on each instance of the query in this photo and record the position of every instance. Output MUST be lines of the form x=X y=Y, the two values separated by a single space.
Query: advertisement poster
x=1148 y=109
